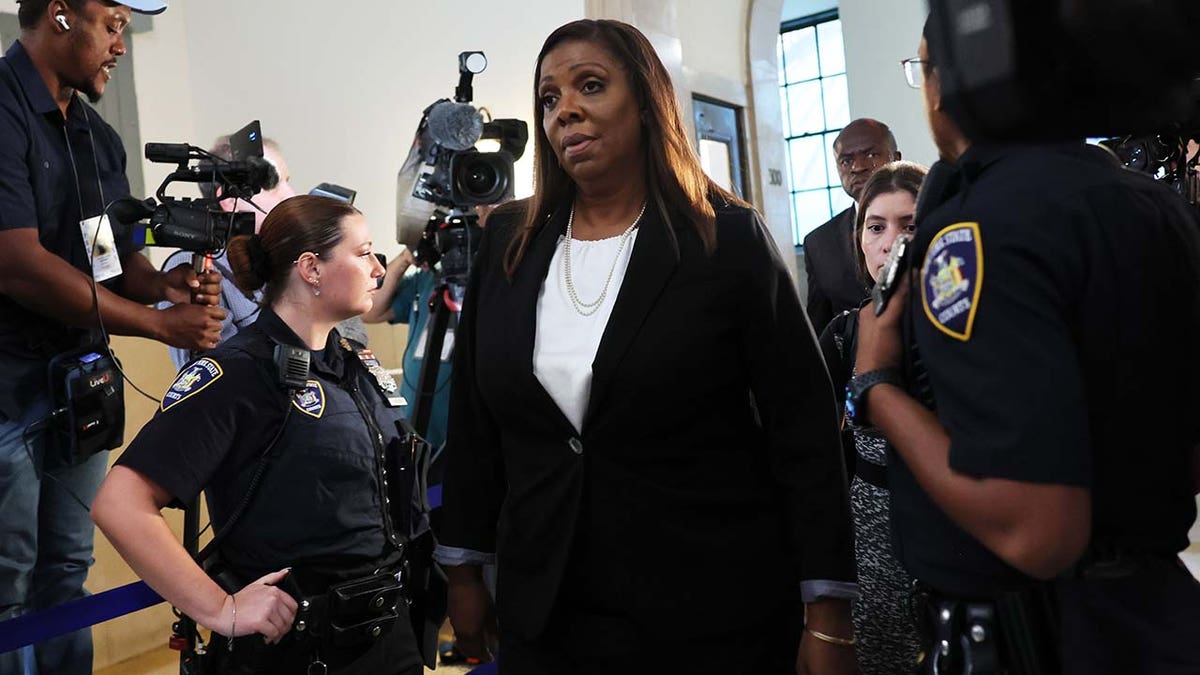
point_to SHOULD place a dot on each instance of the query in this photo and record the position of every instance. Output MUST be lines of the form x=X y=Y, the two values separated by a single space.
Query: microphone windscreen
x=128 y=210
x=265 y=173
x=455 y=126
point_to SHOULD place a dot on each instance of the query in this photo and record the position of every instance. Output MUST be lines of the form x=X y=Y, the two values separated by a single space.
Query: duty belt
x=355 y=611
x=1014 y=633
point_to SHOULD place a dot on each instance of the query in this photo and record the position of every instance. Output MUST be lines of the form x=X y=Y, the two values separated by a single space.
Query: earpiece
x=62 y=21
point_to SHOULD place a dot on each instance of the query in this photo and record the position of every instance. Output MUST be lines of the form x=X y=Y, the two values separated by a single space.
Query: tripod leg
x=427 y=385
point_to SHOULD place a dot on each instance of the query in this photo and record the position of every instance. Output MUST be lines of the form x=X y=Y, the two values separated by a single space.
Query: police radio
x=88 y=392
x=291 y=364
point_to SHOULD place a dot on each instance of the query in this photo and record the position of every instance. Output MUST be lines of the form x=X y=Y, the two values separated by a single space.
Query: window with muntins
x=816 y=105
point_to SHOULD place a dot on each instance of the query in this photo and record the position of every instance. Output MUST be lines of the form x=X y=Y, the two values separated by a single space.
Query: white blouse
x=566 y=341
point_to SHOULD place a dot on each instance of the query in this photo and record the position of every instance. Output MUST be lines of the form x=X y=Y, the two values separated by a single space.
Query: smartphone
x=893 y=271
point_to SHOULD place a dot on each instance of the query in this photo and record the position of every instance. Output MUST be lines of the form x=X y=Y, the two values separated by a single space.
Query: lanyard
x=95 y=165
x=70 y=152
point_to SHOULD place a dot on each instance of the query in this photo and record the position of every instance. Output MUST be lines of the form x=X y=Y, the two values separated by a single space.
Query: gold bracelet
x=841 y=642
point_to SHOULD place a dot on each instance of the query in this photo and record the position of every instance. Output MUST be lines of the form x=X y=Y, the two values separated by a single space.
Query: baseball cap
x=139 y=6
x=145 y=6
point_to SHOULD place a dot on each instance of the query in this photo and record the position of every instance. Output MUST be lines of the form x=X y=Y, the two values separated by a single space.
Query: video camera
x=1163 y=157
x=454 y=175
x=199 y=225
x=463 y=176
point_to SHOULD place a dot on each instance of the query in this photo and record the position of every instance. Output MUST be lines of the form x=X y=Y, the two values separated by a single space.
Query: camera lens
x=481 y=177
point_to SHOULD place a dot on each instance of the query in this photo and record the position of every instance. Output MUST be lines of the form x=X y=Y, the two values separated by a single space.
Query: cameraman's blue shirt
x=41 y=152
x=411 y=306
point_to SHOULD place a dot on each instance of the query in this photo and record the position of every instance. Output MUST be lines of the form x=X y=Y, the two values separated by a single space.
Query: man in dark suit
x=833 y=284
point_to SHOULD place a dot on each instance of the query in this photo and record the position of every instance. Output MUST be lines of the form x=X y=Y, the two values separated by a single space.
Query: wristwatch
x=860 y=384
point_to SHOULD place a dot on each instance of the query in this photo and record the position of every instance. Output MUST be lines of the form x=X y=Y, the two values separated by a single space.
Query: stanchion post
x=183 y=635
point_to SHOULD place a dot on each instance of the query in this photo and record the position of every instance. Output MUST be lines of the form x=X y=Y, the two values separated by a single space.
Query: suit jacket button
x=576 y=445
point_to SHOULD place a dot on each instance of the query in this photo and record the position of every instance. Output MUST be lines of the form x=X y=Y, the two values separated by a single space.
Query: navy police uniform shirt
x=1055 y=315
x=41 y=156
x=323 y=499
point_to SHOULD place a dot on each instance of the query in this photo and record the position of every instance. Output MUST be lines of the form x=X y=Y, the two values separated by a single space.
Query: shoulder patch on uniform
x=311 y=399
x=191 y=381
x=951 y=278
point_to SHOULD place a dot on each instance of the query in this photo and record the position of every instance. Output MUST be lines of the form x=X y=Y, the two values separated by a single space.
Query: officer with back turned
x=1037 y=380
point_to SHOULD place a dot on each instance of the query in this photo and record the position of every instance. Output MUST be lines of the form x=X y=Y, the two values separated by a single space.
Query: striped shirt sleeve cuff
x=450 y=555
x=817 y=589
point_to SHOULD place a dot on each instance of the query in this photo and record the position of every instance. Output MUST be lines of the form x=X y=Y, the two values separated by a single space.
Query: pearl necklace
x=590 y=308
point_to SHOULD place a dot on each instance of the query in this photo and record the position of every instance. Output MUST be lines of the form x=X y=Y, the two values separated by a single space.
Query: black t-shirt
x=1055 y=312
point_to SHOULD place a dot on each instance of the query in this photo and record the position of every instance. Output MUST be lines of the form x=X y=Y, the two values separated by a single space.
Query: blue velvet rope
x=74 y=615
x=71 y=616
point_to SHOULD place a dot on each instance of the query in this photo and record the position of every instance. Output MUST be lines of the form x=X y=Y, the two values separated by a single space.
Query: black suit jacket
x=707 y=479
x=833 y=283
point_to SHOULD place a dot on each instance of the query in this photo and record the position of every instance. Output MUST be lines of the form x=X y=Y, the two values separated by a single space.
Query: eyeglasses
x=914 y=71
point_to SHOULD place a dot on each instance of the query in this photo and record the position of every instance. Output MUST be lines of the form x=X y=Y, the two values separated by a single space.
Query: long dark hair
x=677 y=186
x=889 y=178
x=296 y=225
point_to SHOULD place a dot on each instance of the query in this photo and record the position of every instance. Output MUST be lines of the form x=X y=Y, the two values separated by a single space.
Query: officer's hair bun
x=297 y=225
x=250 y=262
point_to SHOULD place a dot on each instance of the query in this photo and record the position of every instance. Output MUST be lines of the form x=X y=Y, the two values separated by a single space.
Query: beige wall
x=340 y=85
x=878 y=35
x=704 y=46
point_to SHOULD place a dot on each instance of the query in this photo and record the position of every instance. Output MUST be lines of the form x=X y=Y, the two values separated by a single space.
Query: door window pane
x=714 y=157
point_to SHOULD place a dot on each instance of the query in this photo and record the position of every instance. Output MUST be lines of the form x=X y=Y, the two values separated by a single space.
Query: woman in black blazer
x=642 y=430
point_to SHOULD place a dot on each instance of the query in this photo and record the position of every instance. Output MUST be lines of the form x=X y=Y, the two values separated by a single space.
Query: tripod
x=451 y=238
x=441 y=304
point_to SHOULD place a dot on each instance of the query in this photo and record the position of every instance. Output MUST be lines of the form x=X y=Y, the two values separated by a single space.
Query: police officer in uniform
x=315 y=486
x=1043 y=418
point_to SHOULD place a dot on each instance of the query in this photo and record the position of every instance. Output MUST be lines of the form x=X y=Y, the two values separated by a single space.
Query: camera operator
x=1044 y=483
x=242 y=307
x=404 y=298
x=60 y=165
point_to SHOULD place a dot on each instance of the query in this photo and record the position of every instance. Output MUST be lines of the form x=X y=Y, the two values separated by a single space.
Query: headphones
x=62 y=21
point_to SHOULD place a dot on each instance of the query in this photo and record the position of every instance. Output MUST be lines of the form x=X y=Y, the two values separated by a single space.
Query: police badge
x=951 y=279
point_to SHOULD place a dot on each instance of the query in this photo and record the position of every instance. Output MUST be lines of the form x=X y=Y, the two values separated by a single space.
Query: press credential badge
x=106 y=262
